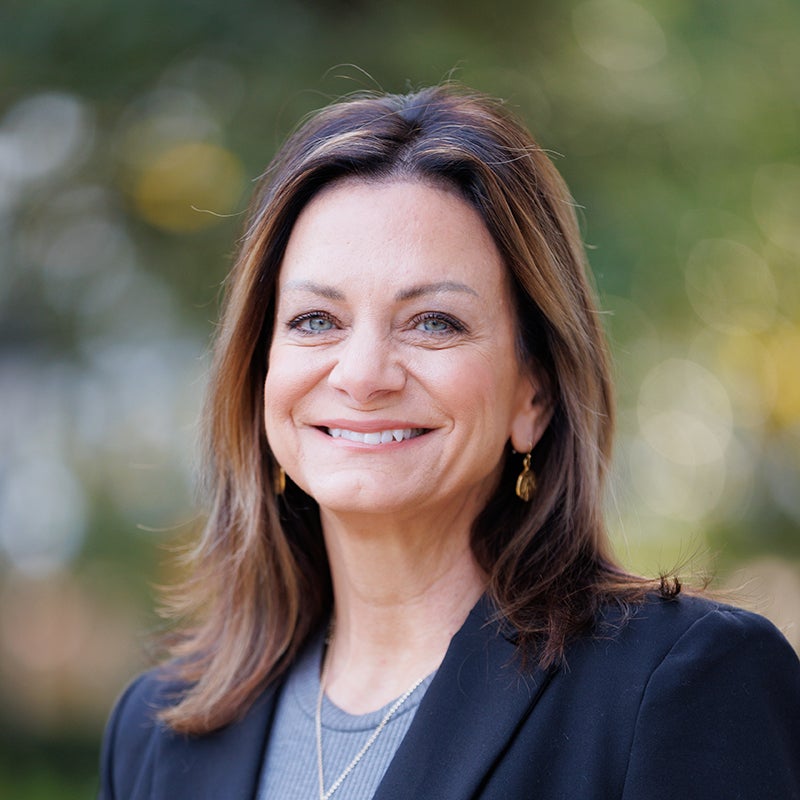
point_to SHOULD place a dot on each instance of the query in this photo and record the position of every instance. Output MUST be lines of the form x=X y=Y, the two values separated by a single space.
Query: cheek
x=279 y=397
x=492 y=394
x=290 y=389
x=286 y=381
x=480 y=380
x=269 y=413
x=475 y=393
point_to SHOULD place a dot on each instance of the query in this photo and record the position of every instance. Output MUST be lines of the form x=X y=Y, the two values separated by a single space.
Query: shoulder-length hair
x=260 y=580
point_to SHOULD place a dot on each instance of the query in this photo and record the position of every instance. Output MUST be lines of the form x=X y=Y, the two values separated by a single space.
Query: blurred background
x=130 y=137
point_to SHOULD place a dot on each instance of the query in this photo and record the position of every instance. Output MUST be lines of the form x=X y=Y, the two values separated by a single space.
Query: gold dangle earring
x=279 y=481
x=526 y=482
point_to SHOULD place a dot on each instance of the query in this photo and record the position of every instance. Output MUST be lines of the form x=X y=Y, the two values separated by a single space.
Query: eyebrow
x=320 y=289
x=330 y=293
x=434 y=288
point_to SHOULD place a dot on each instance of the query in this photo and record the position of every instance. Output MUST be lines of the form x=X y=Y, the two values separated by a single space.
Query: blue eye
x=438 y=323
x=318 y=324
x=313 y=322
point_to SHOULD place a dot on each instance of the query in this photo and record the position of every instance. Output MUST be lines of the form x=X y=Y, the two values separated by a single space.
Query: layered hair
x=260 y=581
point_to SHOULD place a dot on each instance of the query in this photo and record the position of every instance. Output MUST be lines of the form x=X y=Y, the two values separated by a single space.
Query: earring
x=279 y=481
x=526 y=482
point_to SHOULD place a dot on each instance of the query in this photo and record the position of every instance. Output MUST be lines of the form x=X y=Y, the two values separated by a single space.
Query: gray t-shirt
x=290 y=765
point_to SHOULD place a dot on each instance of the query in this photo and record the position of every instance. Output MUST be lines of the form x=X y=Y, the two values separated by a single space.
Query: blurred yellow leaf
x=189 y=187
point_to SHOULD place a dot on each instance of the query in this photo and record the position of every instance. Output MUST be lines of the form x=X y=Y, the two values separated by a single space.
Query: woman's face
x=393 y=383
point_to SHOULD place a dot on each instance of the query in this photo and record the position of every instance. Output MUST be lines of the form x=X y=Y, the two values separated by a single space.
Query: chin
x=371 y=497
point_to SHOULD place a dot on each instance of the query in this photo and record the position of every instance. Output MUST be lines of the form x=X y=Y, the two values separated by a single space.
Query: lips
x=375 y=437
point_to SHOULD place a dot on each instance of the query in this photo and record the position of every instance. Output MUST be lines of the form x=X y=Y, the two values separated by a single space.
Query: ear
x=532 y=416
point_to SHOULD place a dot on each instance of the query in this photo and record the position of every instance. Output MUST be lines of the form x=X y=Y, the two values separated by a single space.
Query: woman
x=405 y=589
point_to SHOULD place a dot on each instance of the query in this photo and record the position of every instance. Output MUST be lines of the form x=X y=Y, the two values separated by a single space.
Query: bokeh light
x=776 y=203
x=730 y=287
x=619 y=34
x=188 y=186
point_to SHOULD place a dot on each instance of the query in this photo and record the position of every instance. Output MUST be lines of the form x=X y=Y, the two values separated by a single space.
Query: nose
x=367 y=366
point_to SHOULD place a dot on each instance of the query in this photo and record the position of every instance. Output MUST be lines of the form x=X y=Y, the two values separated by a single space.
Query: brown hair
x=260 y=580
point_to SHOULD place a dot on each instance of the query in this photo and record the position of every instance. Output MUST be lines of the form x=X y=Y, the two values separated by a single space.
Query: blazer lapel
x=471 y=710
x=225 y=764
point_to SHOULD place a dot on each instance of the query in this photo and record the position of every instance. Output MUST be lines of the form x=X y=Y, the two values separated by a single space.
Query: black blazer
x=688 y=699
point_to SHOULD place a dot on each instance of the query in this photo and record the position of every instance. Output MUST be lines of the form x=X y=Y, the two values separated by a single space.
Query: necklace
x=323 y=794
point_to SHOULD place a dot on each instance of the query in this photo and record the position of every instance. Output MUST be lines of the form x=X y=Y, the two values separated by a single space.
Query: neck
x=399 y=596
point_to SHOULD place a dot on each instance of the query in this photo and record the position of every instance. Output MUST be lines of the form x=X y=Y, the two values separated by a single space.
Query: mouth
x=375 y=437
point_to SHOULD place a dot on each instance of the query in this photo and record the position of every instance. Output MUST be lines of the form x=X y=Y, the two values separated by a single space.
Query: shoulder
x=694 y=623
x=688 y=634
x=145 y=696
x=691 y=660
x=673 y=698
x=681 y=698
x=144 y=758
x=745 y=654
x=706 y=625
x=635 y=650
x=134 y=727
x=717 y=691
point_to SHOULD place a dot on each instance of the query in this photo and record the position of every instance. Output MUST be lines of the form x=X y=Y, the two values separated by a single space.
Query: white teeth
x=375 y=437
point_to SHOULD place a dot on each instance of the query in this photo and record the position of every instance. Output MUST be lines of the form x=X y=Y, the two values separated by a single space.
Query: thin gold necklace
x=323 y=794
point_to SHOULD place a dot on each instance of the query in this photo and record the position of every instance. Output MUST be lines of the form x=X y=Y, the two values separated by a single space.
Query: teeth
x=375 y=437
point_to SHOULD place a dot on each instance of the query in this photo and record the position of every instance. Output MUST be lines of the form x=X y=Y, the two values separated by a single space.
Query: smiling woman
x=405 y=588
x=426 y=343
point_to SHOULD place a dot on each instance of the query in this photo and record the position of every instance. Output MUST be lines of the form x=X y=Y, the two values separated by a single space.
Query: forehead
x=395 y=231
